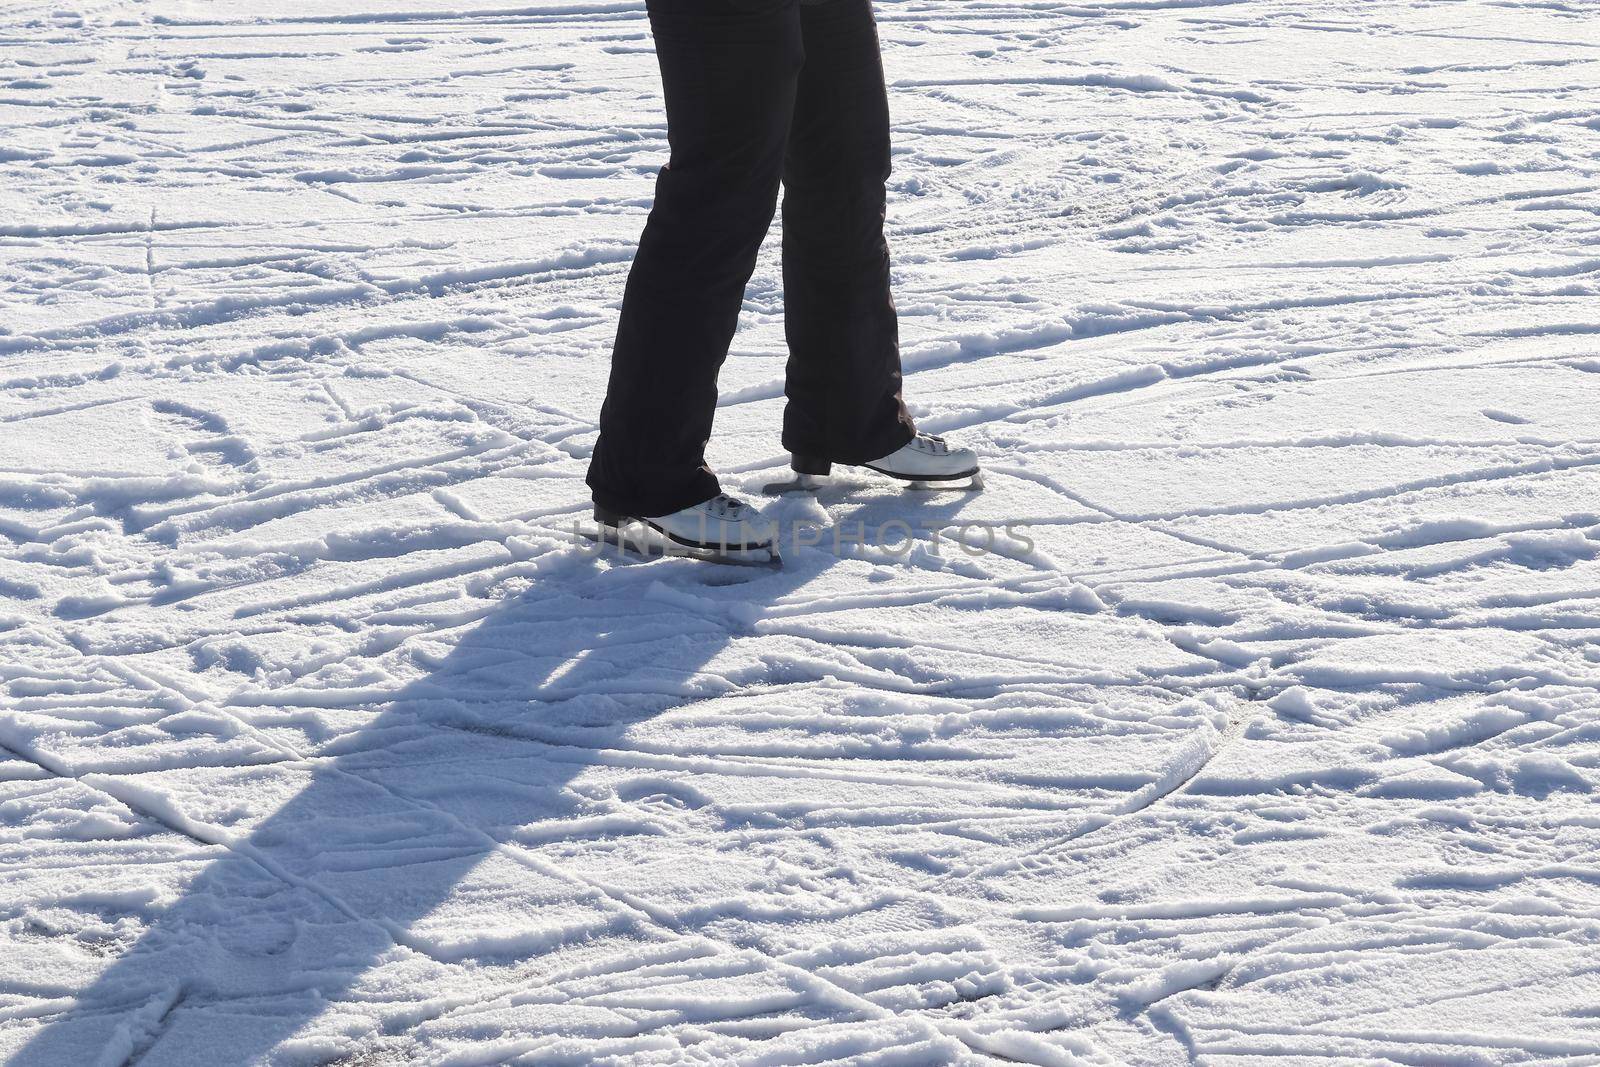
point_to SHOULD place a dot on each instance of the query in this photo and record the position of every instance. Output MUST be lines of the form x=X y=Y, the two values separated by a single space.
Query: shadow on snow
x=398 y=822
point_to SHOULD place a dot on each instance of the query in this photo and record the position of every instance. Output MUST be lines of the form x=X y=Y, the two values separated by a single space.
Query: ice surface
x=1278 y=329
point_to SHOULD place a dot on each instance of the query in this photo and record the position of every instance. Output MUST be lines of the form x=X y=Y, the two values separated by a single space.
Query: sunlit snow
x=1277 y=328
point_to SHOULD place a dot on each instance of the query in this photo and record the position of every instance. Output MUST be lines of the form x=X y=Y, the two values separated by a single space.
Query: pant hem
x=890 y=445
x=651 y=509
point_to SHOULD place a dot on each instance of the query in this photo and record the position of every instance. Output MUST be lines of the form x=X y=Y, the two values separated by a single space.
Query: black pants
x=757 y=91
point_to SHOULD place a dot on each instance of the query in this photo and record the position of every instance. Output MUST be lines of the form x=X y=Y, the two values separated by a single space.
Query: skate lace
x=927 y=442
x=724 y=506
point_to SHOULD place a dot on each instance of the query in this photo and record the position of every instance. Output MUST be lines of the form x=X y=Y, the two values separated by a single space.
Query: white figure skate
x=925 y=462
x=722 y=530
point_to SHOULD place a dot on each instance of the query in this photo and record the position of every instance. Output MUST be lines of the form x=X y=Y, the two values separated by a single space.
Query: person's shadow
x=379 y=855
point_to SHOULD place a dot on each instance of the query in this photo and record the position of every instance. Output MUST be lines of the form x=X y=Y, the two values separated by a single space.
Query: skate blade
x=810 y=483
x=754 y=557
x=801 y=483
x=973 y=484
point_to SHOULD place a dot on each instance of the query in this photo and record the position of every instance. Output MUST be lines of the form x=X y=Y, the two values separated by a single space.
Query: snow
x=1269 y=735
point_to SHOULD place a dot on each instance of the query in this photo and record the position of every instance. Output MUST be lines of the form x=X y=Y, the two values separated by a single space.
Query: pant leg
x=844 y=346
x=728 y=68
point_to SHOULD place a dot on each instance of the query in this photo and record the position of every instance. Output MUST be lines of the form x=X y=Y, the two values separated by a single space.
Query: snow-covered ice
x=1277 y=325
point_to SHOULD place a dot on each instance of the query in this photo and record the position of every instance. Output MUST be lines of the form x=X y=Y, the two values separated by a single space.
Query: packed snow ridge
x=1275 y=741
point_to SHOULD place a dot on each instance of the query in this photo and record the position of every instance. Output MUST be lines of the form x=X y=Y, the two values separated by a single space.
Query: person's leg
x=728 y=68
x=844 y=349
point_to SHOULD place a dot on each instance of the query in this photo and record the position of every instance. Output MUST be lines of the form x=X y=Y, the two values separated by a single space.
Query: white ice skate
x=925 y=461
x=722 y=529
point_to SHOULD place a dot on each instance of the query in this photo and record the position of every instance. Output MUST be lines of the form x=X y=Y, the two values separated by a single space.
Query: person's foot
x=926 y=458
x=721 y=525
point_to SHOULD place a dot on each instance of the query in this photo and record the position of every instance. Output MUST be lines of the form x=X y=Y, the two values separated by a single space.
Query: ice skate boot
x=924 y=462
x=722 y=530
